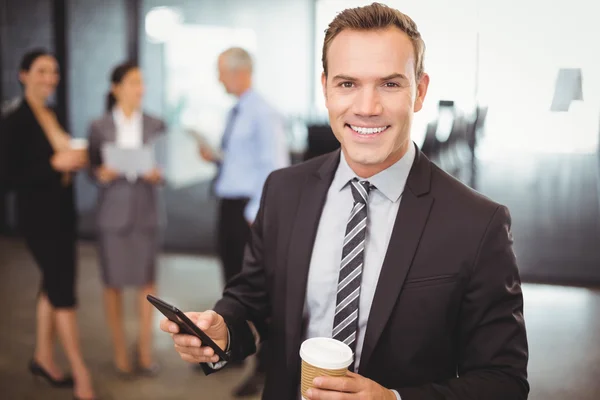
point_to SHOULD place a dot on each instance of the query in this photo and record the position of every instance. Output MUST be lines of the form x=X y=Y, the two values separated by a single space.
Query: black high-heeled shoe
x=38 y=371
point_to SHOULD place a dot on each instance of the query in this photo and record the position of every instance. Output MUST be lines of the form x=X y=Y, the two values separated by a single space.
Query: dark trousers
x=233 y=234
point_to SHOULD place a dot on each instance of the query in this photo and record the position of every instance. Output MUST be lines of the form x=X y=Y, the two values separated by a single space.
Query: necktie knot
x=360 y=190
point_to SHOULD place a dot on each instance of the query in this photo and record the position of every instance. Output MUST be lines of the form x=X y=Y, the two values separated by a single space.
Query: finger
x=318 y=394
x=189 y=358
x=168 y=326
x=196 y=360
x=207 y=351
x=183 y=340
x=339 y=384
x=204 y=351
x=206 y=320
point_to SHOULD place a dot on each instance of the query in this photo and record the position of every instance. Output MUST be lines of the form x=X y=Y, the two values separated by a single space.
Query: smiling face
x=372 y=92
x=41 y=79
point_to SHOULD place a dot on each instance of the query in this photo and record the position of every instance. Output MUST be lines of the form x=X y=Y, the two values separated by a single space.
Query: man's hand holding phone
x=189 y=347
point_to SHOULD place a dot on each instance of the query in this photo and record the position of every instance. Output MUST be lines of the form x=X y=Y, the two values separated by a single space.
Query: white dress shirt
x=129 y=129
x=384 y=201
x=129 y=132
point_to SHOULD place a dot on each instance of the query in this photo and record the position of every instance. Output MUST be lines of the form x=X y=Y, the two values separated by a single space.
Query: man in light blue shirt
x=253 y=145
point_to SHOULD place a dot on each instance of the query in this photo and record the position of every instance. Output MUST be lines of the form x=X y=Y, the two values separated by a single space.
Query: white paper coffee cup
x=78 y=143
x=323 y=357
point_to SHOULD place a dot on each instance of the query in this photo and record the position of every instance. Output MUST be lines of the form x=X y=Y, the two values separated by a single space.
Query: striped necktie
x=345 y=323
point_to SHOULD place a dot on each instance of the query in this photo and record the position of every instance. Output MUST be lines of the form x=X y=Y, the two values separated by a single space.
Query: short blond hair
x=237 y=58
x=376 y=16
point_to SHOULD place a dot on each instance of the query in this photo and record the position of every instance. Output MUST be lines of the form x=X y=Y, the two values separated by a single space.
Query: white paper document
x=129 y=161
x=202 y=141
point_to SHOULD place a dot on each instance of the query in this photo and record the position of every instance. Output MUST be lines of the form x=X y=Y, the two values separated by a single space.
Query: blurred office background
x=513 y=110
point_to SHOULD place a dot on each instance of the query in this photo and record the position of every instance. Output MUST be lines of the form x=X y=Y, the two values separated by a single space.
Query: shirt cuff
x=251 y=209
x=220 y=364
x=397 y=395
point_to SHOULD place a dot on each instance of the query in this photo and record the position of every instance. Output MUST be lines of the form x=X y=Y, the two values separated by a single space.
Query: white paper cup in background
x=323 y=357
x=78 y=143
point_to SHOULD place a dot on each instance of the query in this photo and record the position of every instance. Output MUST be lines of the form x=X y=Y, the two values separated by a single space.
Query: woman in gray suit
x=127 y=214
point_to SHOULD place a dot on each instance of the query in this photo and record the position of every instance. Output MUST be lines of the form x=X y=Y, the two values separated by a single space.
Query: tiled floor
x=563 y=325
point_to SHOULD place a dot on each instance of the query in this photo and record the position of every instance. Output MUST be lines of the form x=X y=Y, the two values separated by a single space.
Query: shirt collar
x=390 y=182
x=244 y=99
x=118 y=115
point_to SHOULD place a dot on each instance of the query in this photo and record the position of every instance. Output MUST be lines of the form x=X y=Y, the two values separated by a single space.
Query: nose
x=368 y=102
x=50 y=79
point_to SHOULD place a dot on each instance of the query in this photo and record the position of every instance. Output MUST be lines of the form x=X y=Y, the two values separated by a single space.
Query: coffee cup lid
x=78 y=143
x=326 y=353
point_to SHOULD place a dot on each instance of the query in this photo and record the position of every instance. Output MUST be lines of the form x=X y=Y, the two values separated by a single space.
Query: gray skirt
x=128 y=258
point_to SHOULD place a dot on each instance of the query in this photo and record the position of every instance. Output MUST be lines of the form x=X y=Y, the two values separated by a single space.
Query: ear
x=22 y=77
x=422 y=86
x=324 y=84
x=113 y=89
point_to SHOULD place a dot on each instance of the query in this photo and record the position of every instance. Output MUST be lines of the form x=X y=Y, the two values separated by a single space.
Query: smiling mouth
x=361 y=130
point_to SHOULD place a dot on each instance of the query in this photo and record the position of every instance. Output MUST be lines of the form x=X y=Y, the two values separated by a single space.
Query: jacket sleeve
x=245 y=297
x=492 y=342
x=15 y=171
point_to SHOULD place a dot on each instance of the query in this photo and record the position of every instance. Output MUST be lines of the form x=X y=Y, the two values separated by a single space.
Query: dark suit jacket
x=447 y=316
x=44 y=205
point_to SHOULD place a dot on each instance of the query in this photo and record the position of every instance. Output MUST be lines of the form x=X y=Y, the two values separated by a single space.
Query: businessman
x=377 y=247
x=252 y=146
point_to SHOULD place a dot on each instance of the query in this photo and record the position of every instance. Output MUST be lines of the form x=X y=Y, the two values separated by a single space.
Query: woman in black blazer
x=38 y=161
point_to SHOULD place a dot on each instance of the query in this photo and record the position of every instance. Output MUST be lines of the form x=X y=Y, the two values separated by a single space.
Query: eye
x=347 y=84
x=391 y=85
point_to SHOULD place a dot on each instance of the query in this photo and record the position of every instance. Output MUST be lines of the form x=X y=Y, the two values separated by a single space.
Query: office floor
x=563 y=325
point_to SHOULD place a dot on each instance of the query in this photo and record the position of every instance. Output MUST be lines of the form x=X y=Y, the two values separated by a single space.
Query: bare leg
x=68 y=333
x=113 y=304
x=145 y=333
x=45 y=337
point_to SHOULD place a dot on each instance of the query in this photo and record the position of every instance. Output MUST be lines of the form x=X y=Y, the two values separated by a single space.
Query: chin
x=365 y=156
x=46 y=94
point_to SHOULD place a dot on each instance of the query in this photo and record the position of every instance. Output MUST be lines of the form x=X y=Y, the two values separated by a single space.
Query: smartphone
x=185 y=324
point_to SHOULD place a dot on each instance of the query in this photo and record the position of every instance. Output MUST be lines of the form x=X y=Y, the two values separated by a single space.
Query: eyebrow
x=394 y=76
x=385 y=78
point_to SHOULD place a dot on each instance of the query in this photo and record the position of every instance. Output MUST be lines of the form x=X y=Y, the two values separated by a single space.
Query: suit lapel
x=147 y=132
x=409 y=225
x=306 y=222
x=110 y=129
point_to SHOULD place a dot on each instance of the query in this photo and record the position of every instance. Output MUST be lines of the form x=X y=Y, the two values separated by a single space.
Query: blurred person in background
x=38 y=161
x=253 y=145
x=127 y=215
